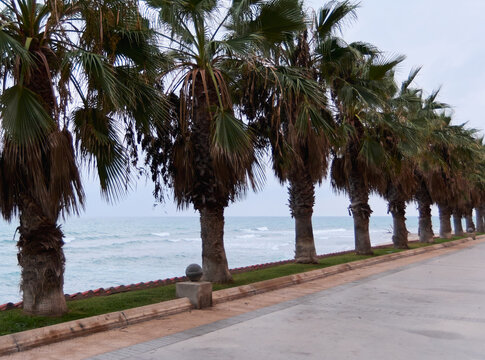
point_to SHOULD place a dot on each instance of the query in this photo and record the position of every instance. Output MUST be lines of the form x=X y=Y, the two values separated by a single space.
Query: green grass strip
x=12 y=321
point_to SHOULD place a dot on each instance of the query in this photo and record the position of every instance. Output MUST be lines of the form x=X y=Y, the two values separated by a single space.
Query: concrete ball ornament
x=193 y=272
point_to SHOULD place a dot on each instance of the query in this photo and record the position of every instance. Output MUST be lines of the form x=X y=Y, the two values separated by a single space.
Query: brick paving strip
x=95 y=335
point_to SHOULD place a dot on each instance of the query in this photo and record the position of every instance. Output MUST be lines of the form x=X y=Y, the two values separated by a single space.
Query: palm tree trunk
x=479 y=212
x=209 y=198
x=359 y=206
x=397 y=207
x=457 y=224
x=400 y=232
x=302 y=199
x=42 y=261
x=214 y=261
x=426 y=234
x=469 y=225
x=445 y=222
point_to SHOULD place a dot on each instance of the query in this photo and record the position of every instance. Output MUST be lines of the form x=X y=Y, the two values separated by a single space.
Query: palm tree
x=80 y=65
x=289 y=107
x=479 y=190
x=307 y=132
x=442 y=167
x=466 y=175
x=475 y=174
x=424 y=114
x=359 y=81
x=213 y=159
x=400 y=133
x=427 y=114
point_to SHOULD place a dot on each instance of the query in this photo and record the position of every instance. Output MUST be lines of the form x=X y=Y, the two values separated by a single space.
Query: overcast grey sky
x=445 y=37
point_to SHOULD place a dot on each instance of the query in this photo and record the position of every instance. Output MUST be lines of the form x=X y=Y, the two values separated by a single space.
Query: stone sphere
x=193 y=272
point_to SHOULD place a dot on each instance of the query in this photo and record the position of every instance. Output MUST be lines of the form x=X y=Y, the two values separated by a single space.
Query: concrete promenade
x=429 y=306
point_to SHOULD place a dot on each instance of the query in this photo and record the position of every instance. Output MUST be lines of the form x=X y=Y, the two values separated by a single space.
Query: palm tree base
x=458 y=225
x=364 y=252
x=51 y=304
x=400 y=236
x=480 y=212
x=306 y=260
x=42 y=261
x=305 y=252
x=215 y=273
x=426 y=238
x=425 y=231
x=445 y=221
x=214 y=260
x=469 y=225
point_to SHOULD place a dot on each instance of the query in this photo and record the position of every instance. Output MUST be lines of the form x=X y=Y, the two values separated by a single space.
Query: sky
x=445 y=37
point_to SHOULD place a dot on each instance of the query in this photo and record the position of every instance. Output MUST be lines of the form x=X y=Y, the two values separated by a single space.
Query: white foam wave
x=317 y=232
x=161 y=234
x=247 y=236
x=282 y=245
x=68 y=239
x=258 y=229
x=192 y=239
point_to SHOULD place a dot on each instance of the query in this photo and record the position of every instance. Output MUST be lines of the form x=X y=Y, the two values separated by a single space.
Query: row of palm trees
x=206 y=90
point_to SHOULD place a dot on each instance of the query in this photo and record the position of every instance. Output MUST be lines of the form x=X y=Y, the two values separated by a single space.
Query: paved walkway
x=424 y=307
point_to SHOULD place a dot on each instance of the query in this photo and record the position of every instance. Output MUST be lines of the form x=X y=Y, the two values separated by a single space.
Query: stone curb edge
x=25 y=340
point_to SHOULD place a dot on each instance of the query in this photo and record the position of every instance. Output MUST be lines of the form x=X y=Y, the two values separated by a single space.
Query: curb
x=25 y=340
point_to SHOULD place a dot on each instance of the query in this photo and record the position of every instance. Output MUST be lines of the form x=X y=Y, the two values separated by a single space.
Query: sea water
x=104 y=252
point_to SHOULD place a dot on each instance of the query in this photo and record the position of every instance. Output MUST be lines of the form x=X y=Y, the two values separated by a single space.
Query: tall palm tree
x=429 y=112
x=475 y=178
x=359 y=80
x=212 y=161
x=400 y=132
x=307 y=131
x=65 y=65
x=291 y=109
x=442 y=167
x=464 y=171
x=479 y=190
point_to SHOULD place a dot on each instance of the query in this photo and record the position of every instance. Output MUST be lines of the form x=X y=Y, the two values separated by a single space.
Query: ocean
x=104 y=252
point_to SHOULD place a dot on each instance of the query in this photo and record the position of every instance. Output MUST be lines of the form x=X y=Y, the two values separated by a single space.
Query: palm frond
x=333 y=15
x=98 y=140
x=24 y=119
x=381 y=67
x=101 y=76
x=372 y=152
x=64 y=188
x=11 y=48
x=230 y=137
x=275 y=21
x=411 y=77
